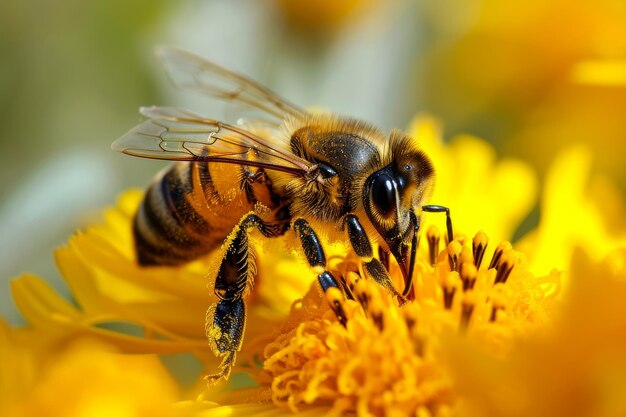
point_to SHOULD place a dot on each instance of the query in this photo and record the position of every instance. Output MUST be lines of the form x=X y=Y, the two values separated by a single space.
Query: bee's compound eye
x=326 y=171
x=384 y=194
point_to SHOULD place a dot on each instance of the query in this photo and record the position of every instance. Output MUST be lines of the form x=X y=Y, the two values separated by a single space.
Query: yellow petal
x=482 y=192
x=600 y=72
x=88 y=379
x=39 y=303
x=570 y=217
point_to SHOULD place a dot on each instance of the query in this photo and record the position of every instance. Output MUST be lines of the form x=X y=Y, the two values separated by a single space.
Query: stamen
x=335 y=299
x=479 y=245
x=433 y=243
x=465 y=258
x=363 y=295
x=351 y=279
x=467 y=308
x=375 y=311
x=449 y=288
x=505 y=266
x=411 y=315
x=498 y=303
x=454 y=250
x=502 y=247
x=468 y=275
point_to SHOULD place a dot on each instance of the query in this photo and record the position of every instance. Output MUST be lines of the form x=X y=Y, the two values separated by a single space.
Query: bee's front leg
x=226 y=320
x=372 y=266
x=314 y=254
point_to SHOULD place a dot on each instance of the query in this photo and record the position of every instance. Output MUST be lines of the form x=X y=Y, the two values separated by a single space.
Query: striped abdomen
x=190 y=210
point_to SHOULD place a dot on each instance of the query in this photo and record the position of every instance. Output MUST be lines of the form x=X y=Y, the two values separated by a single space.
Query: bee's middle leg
x=226 y=319
x=363 y=248
x=314 y=254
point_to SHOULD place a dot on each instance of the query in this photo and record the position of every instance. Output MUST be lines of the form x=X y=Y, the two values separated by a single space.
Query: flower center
x=376 y=358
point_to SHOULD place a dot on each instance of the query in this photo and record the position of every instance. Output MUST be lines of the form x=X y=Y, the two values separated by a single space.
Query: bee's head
x=394 y=191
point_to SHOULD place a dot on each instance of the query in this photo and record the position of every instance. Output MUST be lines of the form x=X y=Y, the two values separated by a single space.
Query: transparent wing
x=181 y=135
x=191 y=72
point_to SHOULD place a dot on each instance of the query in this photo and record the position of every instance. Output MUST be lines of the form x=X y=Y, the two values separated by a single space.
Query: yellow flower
x=321 y=17
x=386 y=360
x=576 y=369
x=389 y=360
x=610 y=73
x=576 y=211
x=535 y=76
x=482 y=191
x=85 y=378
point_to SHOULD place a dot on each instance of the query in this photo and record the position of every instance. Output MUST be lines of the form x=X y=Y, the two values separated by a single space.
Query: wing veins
x=177 y=134
x=182 y=64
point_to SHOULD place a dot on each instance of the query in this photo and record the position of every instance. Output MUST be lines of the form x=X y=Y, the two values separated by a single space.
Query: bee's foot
x=224 y=370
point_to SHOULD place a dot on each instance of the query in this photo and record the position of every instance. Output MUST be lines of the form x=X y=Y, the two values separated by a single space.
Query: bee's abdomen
x=168 y=227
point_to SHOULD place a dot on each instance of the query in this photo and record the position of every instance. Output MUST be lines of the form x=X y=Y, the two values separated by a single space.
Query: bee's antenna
x=440 y=209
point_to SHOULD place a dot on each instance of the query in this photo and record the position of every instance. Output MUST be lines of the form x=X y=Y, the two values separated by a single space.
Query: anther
x=494 y=314
x=347 y=288
x=502 y=247
x=498 y=303
x=335 y=299
x=433 y=243
x=479 y=245
x=467 y=308
x=375 y=310
x=411 y=314
x=362 y=293
x=449 y=288
x=468 y=275
x=466 y=257
x=351 y=279
x=505 y=266
x=454 y=250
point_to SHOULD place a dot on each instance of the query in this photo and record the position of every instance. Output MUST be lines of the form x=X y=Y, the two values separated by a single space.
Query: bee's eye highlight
x=326 y=171
x=384 y=194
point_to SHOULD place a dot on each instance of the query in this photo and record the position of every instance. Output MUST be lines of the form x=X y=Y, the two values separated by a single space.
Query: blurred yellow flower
x=84 y=378
x=482 y=191
x=534 y=77
x=600 y=72
x=321 y=17
x=577 y=210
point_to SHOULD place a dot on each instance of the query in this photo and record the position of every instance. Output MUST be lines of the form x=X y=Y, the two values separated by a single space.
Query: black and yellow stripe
x=186 y=213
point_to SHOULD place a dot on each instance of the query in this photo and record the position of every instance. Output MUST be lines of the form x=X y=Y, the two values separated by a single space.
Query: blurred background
x=529 y=77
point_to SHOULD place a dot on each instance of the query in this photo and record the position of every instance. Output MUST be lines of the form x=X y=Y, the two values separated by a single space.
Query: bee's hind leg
x=314 y=254
x=226 y=320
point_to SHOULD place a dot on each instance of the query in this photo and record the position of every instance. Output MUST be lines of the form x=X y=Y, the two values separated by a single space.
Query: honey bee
x=291 y=170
